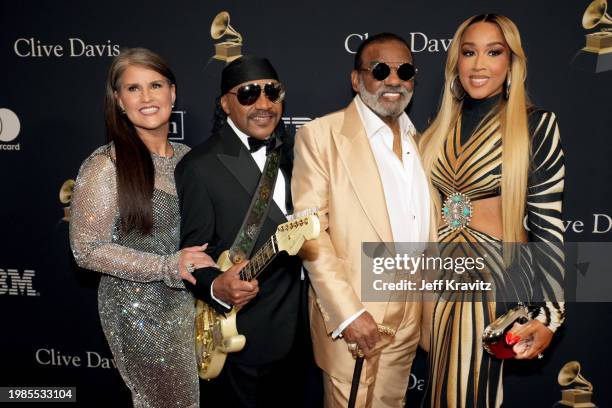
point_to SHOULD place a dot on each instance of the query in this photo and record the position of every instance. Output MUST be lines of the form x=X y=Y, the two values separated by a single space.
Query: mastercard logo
x=9 y=125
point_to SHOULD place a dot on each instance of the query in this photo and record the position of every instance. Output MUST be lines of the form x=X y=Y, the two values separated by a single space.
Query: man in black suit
x=216 y=182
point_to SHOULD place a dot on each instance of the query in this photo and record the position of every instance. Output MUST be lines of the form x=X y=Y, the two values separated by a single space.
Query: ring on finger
x=540 y=356
x=190 y=267
x=352 y=347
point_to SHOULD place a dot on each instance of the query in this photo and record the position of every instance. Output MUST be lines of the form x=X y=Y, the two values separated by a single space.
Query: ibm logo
x=177 y=128
x=12 y=283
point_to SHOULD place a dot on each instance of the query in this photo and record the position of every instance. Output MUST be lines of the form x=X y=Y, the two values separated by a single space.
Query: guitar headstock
x=291 y=235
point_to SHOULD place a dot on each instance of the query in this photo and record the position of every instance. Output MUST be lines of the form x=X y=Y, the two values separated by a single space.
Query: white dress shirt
x=279 y=188
x=260 y=158
x=404 y=182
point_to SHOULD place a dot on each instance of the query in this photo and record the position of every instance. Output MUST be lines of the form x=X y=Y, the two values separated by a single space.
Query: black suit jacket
x=215 y=183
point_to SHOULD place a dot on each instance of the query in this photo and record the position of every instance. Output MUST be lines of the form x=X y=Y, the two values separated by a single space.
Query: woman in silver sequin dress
x=125 y=224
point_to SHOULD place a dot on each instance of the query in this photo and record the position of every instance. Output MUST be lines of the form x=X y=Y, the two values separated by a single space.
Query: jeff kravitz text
x=436 y=285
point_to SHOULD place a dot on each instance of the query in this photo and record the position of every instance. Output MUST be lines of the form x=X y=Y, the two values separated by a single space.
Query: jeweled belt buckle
x=457 y=211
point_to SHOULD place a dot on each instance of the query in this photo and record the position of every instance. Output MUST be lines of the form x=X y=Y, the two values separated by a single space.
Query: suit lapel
x=286 y=166
x=356 y=154
x=239 y=162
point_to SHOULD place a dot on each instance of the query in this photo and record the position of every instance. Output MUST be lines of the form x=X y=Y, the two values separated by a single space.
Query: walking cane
x=359 y=366
x=355 y=382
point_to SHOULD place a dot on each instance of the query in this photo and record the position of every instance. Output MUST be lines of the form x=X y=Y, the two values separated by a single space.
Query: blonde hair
x=513 y=125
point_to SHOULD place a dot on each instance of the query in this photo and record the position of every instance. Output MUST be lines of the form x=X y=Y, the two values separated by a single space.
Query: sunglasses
x=249 y=94
x=381 y=71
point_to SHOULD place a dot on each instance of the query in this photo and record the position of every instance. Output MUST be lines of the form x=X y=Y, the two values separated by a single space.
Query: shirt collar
x=244 y=138
x=373 y=124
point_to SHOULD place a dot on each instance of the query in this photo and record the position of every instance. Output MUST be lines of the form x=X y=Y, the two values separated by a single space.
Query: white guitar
x=216 y=334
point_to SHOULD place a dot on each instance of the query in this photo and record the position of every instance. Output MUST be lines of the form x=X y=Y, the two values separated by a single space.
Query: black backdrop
x=54 y=57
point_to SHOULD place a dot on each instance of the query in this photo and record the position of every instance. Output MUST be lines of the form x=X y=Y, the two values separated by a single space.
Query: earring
x=172 y=106
x=123 y=111
x=508 y=83
x=456 y=89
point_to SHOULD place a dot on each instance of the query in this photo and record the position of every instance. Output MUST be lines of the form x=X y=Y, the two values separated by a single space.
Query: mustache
x=399 y=89
x=262 y=112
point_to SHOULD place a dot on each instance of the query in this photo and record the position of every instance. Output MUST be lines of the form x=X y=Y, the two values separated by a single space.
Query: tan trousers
x=384 y=378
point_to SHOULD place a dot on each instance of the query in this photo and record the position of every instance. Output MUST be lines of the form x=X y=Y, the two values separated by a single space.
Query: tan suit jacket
x=335 y=171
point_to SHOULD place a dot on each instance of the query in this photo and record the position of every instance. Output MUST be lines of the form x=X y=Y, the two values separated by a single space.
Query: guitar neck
x=261 y=259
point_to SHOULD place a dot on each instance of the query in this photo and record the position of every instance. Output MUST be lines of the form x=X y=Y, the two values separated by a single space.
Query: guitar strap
x=258 y=209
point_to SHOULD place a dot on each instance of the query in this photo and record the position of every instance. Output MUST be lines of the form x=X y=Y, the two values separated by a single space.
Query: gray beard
x=371 y=100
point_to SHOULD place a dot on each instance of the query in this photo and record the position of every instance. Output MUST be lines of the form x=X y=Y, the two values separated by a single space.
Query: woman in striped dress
x=489 y=148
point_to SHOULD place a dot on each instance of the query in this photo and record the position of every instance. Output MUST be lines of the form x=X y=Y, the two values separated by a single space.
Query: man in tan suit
x=361 y=169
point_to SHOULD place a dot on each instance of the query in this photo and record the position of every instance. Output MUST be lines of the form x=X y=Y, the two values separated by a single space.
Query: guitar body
x=217 y=334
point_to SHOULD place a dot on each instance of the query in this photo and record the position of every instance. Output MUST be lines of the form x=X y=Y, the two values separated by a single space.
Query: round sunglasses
x=381 y=71
x=249 y=94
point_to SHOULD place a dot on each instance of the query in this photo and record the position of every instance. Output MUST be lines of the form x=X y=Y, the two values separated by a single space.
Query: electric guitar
x=217 y=334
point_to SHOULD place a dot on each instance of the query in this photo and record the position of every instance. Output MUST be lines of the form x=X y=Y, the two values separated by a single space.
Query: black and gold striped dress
x=460 y=372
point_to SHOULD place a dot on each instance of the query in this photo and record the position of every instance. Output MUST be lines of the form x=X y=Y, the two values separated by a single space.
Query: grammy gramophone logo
x=596 y=55
x=231 y=48
x=65 y=196
x=580 y=395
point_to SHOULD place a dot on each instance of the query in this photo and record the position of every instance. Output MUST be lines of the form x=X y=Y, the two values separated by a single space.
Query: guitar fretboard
x=261 y=259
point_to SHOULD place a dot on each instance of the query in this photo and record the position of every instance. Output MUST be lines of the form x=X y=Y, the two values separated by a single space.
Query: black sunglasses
x=249 y=94
x=381 y=70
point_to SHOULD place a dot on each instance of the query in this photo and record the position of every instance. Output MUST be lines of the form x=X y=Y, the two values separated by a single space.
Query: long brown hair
x=135 y=172
x=513 y=122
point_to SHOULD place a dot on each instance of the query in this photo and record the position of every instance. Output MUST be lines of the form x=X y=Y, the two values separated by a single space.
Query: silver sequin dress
x=145 y=311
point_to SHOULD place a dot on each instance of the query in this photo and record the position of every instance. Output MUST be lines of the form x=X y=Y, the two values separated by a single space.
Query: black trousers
x=294 y=381
x=242 y=386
